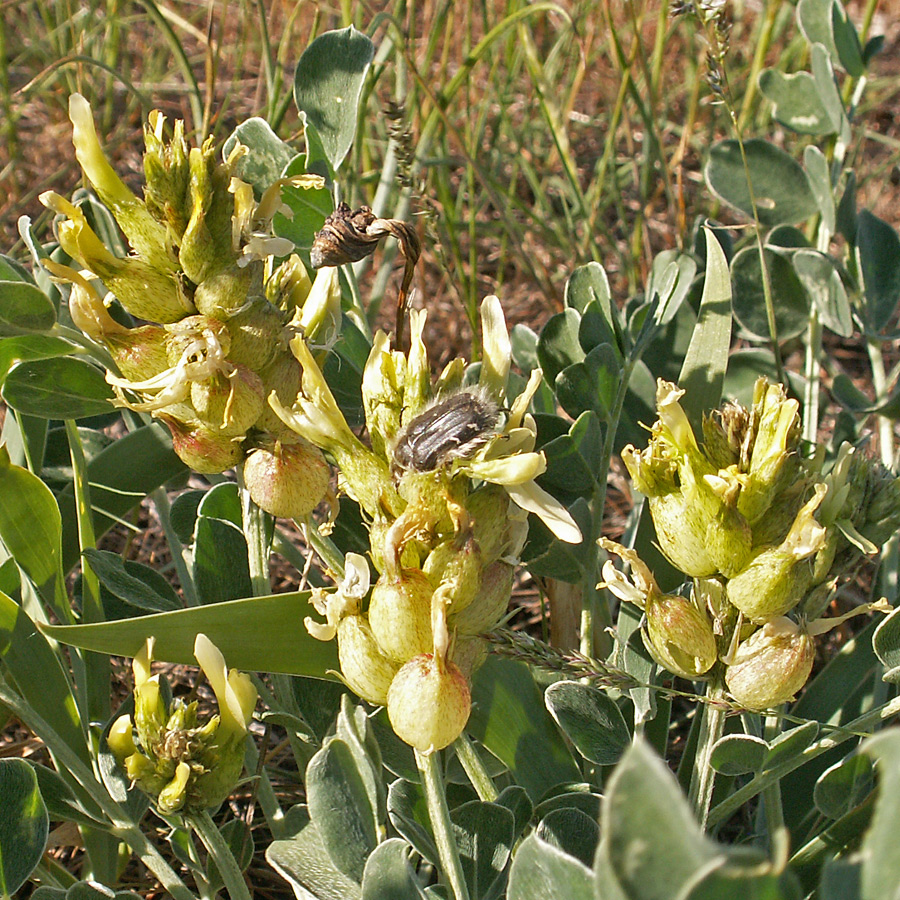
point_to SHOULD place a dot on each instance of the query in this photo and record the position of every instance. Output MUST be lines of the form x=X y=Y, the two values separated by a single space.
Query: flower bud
x=773 y=460
x=206 y=246
x=428 y=703
x=491 y=602
x=147 y=236
x=771 y=665
x=288 y=480
x=167 y=174
x=145 y=291
x=289 y=285
x=229 y=402
x=200 y=449
x=678 y=635
x=383 y=381
x=364 y=667
x=400 y=614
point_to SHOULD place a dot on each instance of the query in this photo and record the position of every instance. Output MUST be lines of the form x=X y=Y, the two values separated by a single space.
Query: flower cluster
x=446 y=486
x=219 y=313
x=763 y=533
x=181 y=764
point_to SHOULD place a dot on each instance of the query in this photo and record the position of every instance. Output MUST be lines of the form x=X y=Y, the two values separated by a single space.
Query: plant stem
x=220 y=853
x=439 y=813
x=473 y=765
x=712 y=725
x=863 y=724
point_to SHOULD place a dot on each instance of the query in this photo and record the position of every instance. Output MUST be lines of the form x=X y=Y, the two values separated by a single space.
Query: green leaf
x=790 y=744
x=842 y=879
x=843 y=786
x=30 y=346
x=389 y=874
x=24 y=309
x=818 y=170
x=558 y=344
x=651 y=843
x=134 y=583
x=738 y=754
x=221 y=559
x=746 y=873
x=240 y=842
x=590 y=719
x=12 y=270
x=24 y=824
x=703 y=371
x=30 y=527
x=309 y=207
x=62 y=804
x=509 y=718
x=570 y=796
x=671 y=277
x=268 y=155
x=878 y=254
x=790 y=299
x=780 y=186
x=328 y=82
x=796 y=101
x=280 y=642
x=886 y=644
x=572 y=831
x=408 y=812
x=591 y=384
x=821 y=281
x=41 y=679
x=540 y=871
x=120 y=477
x=60 y=387
x=515 y=798
x=815 y=21
x=880 y=848
x=484 y=835
x=589 y=284
x=305 y=864
x=846 y=42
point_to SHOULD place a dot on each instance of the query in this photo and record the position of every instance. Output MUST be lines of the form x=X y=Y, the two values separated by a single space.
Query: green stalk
x=712 y=726
x=219 y=851
x=474 y=768
x=123 y=826
x=595 y=616
x=180 y=553
x=95 y=702
x=442 y=828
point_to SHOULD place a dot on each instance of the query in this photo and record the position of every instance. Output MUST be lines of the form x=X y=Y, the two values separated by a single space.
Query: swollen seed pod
x=202 y=450
x=363 y=666
x=771 y=665
x=456 y=572
x=256 y=331
x=488 y=510
x=282 y=376
x=428 y=703
x=224 y=294
x=491 y=603
x=229 y=403
x=678 y=635
x=400 y=614
x=288 y=480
